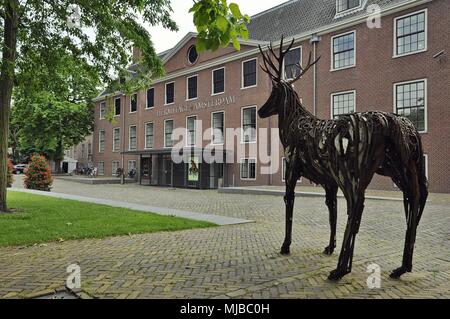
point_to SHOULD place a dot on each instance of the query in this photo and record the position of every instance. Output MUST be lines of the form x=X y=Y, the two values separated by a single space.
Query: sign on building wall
x=193 y=169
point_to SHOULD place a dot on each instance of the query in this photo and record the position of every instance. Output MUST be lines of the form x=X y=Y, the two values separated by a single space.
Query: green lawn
x=41 y=219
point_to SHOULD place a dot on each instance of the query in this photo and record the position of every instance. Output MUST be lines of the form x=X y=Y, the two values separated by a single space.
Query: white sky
x=164 y=39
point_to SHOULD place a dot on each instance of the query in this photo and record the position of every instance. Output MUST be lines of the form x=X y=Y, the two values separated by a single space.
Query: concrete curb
x=273 y=192
x=215 y=219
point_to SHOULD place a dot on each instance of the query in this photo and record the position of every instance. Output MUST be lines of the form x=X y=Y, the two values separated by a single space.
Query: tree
x=41 y=24
x=38 y=175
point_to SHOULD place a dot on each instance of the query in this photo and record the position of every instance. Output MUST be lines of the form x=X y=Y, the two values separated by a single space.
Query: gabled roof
x=299 y=16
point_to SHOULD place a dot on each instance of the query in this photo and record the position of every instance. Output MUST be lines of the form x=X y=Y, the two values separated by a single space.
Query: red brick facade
x=372 y=78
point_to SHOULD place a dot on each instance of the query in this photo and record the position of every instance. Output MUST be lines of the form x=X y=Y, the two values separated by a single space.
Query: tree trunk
x=58 y=157
x=6 y=87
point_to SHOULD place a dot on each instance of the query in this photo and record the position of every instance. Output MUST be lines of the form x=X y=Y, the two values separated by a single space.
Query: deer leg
x=331 y=202
x=412 y=220
x=355 y=209
x=291 y=178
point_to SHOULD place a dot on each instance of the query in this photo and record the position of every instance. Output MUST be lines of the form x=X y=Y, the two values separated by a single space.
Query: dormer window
x=347 y=5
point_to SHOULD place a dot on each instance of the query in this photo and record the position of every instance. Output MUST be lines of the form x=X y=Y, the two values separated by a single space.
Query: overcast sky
x=164 y=39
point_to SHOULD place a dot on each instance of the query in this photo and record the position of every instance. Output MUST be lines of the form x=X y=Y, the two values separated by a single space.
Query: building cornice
x=404 y=5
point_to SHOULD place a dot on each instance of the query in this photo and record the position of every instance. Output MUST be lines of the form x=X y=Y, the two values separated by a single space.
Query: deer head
x=273 y=64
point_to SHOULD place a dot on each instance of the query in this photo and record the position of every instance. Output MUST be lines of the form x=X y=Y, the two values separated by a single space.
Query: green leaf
x=222 y=24
x=235 y=10
x=236 y=44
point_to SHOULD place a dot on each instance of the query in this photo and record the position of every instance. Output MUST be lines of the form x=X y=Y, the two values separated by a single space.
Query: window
x=170 y=93
x=89 y=150
x=191 y=92
x=116 y=139
x=132 y=137
x=83 y=150
x=292 y=60
x=190 y=130
x=131 y=165
x=168 y=128
x=218 y=81
x=133 y=103
x=342 y=103
x=344 y=5
x=150 y=98
x=101 y=168
x=114 y=167
x=102 y=110
x=217 y=124
x=410 y=33
x=149 y=135
x=249 y=124
x=410 y=101
x=248 y=168
x=192 y=54
x=249 y=73
x=117 y=106
x=101 y=141
x=343 y=49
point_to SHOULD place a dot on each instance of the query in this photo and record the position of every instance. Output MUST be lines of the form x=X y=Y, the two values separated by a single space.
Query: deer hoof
x=328 y=250
x=396 y=273
x=337 y=274
x=285 y=250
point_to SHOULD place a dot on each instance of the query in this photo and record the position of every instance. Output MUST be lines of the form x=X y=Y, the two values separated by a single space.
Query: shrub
x=9 y=176
x=38 y=175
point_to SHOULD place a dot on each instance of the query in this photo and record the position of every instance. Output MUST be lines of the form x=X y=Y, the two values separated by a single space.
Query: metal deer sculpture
x=345 y=153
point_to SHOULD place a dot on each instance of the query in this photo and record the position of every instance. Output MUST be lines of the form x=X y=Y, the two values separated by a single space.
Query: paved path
x=239 y=260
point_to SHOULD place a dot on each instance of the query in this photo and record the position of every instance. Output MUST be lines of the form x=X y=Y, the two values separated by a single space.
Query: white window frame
x=98 y=168
x=395 y=55
x=195 y=131
x=332 y=69
x=240 y=169
x=99 y=141
x=100 y=115
x=332 y=95
x=187 y=87
x=131 y=98
x=117 y=115
x=165 y=93
x=300 y=62
x=242 y=124
x=212 y=81
x=145 y=133
x=146 y=98
x=242 y=74
x=164 y=132
x=425 y=110
x=212 y=128
x=129 y=137
x=426 y=165
x=120 y=140
x=344 y=12
x=112 y=166
x=128 y=165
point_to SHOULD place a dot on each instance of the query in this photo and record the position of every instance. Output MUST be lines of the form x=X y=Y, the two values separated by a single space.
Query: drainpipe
x=315 y=39
x=122 y=144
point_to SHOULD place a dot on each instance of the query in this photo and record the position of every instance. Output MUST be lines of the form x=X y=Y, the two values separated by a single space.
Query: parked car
x=19 y=168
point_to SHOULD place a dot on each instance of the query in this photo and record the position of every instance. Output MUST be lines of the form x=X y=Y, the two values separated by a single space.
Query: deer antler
x=275 y=72
x=304 y=70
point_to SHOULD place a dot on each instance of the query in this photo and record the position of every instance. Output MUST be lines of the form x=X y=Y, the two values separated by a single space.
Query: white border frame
x=165 y=93
x=104 y=141
x=187 y=88
x=332 y=69
x=242 y=124
x=164 y=132
x=117 y=98
x=242 y=74
x=98 y=168
x=283 y=75
x=195 y=130
x=137 y=106
x=395 y=55
x=187 y=54
x=212 y=128
x=341 y=93
x=129 y=137
x=394 y=99
x=240 y=168
x=128 y=165
x=348 y=11
x=118 y=166
x=212 y=81
x=426 y=165
x=100 y=110
x=146 y=98
x=145 y=135
x=120 y=140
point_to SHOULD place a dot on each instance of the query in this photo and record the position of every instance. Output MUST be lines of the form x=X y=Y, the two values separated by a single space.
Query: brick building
x=398 y=63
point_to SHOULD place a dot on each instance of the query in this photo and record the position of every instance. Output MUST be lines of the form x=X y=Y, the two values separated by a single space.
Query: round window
x=192 y=54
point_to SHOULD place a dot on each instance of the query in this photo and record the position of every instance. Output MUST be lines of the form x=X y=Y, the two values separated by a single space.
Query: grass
x=38 y=219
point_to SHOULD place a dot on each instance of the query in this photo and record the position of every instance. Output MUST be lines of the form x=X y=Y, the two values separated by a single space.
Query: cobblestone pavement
x=239 y=261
